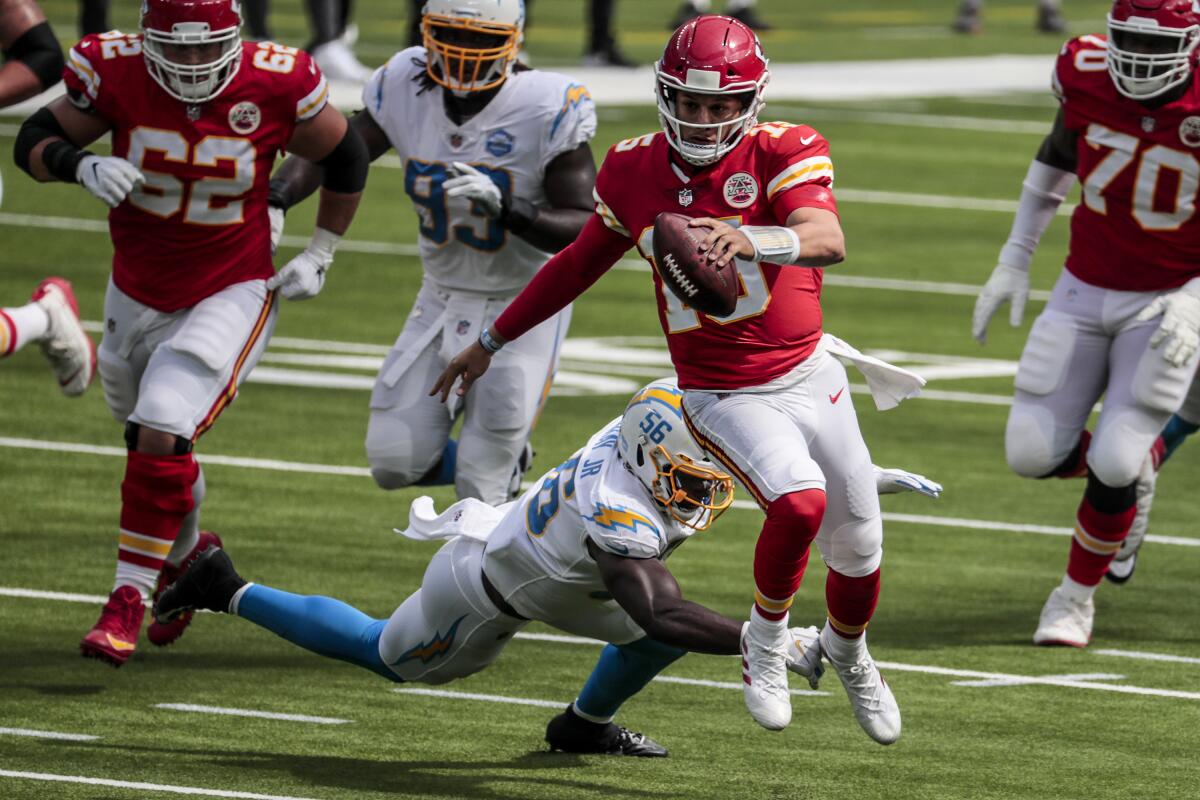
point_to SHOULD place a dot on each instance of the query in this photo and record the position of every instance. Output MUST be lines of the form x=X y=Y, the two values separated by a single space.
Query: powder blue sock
x=442 y=473
x=321 y=624
x=621 y=673
x=1173 y=435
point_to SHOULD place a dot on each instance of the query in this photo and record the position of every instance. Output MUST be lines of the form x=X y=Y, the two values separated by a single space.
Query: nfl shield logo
x=463 y=326
x=685 y=197
x=1148 y=124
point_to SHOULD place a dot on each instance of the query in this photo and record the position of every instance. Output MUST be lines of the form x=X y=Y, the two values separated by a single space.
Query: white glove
x=108 y=178
x=804 y=654
x=1180 y=326
x=893 y=481
x=1006 y=283
x=275 y=215
x=304 y=276
x=474 y=185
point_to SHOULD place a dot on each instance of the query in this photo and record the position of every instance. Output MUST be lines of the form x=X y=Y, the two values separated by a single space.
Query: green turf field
x=986 y=715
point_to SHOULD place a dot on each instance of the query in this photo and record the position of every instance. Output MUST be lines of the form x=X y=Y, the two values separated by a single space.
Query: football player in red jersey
x=197 y=117
x=1129 y=128
x=763 y=394
x=33 y=62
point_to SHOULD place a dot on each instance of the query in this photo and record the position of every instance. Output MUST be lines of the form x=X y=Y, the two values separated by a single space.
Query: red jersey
x=1136 y=228
x=199 y=222
x=774 y=170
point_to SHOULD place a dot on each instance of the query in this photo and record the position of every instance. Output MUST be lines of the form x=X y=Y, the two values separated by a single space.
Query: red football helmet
x=1151 y=44
x=192 y=47
x=711 y=55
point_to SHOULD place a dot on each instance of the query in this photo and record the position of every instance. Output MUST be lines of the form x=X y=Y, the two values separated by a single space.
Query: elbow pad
x=346 y=165
x=39 y=50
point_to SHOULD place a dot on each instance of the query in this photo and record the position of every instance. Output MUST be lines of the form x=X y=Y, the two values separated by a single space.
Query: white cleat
x=804 y=655
x=764 y=675
x=874 y=705
x=1065 y=621
x=1122 y=566
x=71 y=352
x=338 y=62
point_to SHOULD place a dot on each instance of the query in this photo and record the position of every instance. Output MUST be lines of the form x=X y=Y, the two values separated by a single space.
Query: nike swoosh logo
x=809 y=140
x=117 y=644
x=833 y=398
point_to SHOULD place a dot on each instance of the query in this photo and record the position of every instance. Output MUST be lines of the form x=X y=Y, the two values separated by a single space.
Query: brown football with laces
x=687 y=272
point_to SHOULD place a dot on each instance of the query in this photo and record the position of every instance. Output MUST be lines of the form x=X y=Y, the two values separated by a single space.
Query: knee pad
x=1029 y=442
x=119 y=383
x=163 y=407
x=397 y=456
x=1121 y=444
x=855 y=549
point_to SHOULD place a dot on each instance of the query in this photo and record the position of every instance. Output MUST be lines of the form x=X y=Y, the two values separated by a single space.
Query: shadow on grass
x=555 y=773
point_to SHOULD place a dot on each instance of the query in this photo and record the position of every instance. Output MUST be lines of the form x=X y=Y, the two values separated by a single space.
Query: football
x=687 y=272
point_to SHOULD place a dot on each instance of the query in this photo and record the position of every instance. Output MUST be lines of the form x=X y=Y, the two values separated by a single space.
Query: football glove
x=474 y=185
x=275 y=215
x=1005 y=284
x=109 y=178
x=1180 y=326
x=894 y=481
x=303 y=277
x=804 y=654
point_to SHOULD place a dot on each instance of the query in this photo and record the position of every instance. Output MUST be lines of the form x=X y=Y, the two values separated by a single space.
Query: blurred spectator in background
x=970 y=17
x=93 y=17
x=254 y=16
x=741 y=10
x=329 y=46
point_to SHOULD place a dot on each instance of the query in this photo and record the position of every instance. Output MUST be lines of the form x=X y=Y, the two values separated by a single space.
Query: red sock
x=156 y=495
x=1158 y=452
x=1097 y=538
x=782 y=550
x=851 y=602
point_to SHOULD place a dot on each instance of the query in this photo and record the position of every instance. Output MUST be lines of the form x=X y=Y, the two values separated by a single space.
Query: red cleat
x=162 y=634
x=114 y=637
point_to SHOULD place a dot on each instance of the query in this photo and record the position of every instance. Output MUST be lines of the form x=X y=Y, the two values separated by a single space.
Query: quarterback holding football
x=764 y=393
x=197 y=117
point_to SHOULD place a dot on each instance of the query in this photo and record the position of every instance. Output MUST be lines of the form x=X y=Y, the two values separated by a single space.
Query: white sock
x=774 y=628
x=143 y=579
x=1076 y=591
x=237 y=598
x=841 y=650
x=589 y=717
x=29 y=324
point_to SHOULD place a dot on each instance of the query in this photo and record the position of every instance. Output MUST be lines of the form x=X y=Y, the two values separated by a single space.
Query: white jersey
x=537 y=556
x=535 y=117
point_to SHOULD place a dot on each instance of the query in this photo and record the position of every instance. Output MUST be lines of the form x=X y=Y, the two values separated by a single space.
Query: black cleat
x=210 y=582
x=570 y=733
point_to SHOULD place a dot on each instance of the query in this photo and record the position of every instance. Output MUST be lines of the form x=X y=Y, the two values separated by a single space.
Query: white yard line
x=909 y=120
x=1006 y=679
x=728 y=685
x=330 y=469
x=145 y=787
x=66 y=737
x=489 y=698
x=246 y=712
x=1137 y=654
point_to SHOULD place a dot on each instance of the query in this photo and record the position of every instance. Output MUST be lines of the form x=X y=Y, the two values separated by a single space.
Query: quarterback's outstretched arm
x=647 y=590
x=811 y=237
x=1045 y=187
x=556 y=285
x=33 y=56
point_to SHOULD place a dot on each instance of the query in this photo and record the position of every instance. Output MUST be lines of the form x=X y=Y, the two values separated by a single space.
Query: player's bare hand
x=1006 y=284
x=1180 y=326
x=469 y=365
x=109 y=178
x=723 y=241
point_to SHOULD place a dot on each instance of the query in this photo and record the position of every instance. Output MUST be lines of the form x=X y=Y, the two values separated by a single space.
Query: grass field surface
x=926 y=190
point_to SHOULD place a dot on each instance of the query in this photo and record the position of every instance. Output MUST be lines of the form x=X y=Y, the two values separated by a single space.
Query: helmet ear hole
x=641 y=457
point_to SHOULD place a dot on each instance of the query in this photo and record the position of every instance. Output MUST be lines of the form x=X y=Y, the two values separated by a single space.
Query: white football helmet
x=655 y=443
x=471 y=44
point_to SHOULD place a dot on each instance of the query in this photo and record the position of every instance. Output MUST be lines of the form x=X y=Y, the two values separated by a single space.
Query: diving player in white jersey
x=498 y=167
x=583 y=550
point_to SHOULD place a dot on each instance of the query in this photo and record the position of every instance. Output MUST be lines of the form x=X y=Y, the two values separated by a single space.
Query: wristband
x=279 y=194
x=488 y=342
x=62 y=158
x=773 y=243
x=517 y=214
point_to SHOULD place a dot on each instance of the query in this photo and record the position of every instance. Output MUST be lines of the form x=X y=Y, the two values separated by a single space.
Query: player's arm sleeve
x=1045 y=187
x=649 y=593
x=39 y=55
x=563 y=278
x=801 y=173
